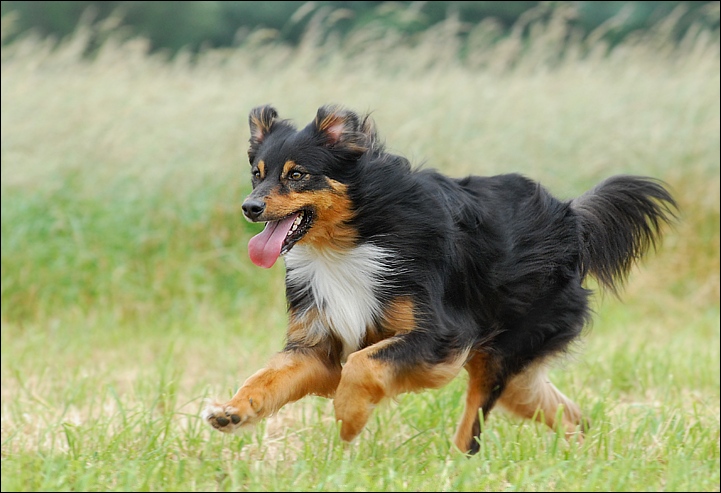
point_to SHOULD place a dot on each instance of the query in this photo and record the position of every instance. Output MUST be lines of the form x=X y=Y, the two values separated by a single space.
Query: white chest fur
x=343 y=286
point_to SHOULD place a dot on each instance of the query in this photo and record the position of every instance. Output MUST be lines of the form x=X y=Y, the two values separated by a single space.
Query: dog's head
x=300 y=179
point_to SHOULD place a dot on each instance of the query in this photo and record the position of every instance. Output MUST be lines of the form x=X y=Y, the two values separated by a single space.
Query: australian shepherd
x=397 y=278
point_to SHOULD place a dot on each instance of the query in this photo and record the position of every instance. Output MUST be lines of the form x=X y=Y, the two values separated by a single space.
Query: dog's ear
x=261 y=120
x=343 y=130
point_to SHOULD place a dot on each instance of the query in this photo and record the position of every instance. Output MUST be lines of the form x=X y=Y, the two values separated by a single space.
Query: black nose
x=253 y=208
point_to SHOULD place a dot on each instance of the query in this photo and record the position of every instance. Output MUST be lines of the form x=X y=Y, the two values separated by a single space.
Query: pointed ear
x=261 y=120
x=343 y=130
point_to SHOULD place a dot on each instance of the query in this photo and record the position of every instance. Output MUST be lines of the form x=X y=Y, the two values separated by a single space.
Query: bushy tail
x=620 y=219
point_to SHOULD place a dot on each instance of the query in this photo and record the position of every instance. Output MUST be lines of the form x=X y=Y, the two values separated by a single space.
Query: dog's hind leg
x=485 y=384
x=531 y=395
x=385 y=370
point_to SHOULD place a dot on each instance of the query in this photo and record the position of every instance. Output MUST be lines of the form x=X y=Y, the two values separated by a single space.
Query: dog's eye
x=295 y=175
x=256 y=174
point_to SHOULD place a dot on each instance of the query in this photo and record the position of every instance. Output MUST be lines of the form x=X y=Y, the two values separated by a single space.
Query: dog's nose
x=253 y=208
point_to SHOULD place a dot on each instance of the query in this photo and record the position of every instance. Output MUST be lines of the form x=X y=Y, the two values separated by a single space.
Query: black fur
x=496 y=264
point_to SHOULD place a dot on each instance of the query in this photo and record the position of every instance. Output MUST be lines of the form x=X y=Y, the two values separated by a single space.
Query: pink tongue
x=264 y=248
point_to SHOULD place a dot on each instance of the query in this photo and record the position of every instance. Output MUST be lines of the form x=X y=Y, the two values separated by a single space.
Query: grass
x=128 y=297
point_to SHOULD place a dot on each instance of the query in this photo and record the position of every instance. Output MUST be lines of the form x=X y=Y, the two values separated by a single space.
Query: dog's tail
x=621 y=219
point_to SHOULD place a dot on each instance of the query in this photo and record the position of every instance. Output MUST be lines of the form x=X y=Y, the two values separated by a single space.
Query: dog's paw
x=231 y=416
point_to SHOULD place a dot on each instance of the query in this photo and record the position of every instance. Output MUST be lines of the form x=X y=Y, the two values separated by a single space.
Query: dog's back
x=397 y=278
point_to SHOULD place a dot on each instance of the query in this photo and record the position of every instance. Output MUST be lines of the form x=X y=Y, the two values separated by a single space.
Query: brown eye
x=295 y=175
x=256 y=174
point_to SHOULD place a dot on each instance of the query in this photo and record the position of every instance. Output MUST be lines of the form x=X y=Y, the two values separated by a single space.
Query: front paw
x=233 y=415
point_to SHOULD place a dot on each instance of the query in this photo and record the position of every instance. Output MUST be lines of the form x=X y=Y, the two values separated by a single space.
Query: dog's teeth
x=295 y=224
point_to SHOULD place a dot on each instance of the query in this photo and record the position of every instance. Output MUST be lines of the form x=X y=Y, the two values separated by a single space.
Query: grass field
x=128 y=297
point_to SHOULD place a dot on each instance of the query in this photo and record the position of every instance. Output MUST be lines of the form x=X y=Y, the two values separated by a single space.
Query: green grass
x=128 y=298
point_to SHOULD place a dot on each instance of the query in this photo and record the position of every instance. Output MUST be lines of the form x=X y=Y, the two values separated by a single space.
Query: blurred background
x=195 y=25
x=127 y=295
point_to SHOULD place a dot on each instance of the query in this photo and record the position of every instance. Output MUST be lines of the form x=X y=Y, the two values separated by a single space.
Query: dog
x=399 y=277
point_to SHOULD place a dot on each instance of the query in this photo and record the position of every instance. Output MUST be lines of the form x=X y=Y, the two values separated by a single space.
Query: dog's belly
x=343 y=286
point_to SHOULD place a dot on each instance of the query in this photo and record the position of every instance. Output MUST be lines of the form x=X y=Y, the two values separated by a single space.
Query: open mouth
x=278 y=237
x=301 y=225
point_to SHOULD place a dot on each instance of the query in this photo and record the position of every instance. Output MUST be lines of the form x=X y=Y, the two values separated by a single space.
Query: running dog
x=397 y=277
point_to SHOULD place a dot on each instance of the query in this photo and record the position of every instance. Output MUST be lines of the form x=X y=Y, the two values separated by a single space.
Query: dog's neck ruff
x=344 y=286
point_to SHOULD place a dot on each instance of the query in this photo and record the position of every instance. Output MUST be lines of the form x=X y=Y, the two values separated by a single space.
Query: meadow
x=128 y=298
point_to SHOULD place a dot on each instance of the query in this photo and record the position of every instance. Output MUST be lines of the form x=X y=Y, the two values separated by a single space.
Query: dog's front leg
x=288 y=376
x=385 y=370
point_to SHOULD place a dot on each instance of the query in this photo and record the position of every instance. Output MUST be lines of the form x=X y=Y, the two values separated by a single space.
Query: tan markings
x=298 y=324
x=332 y=209
x=336 y=127
x=482 y=370
x=261 y=169
x=532 y=396
x=287 y=377
x=261 y=120
x=332 y=124
x=257 y=130
x=399 y=316
x=338 y=187
x=289 y=165
x=280 y=205
x=374 y=335
x=331 y=226
x=365 y=381
x=306 y=329
x=362 y=385
x=429 y=376
x=328 y=120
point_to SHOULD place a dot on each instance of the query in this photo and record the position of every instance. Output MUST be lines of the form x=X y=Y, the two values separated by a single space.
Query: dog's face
x=298 y=177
